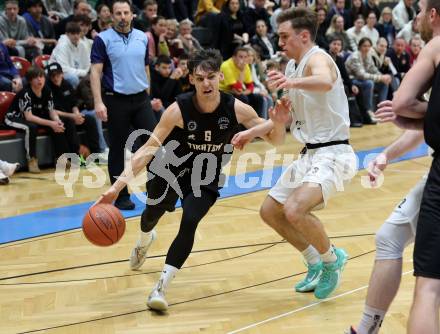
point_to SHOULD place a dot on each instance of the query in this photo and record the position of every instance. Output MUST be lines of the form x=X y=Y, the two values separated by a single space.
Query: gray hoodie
x=16 y=30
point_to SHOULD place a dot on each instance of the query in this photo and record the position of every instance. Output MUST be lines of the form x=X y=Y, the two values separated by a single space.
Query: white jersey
x=318 y=117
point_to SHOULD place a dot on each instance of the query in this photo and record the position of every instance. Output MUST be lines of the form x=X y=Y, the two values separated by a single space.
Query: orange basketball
x=103 y=225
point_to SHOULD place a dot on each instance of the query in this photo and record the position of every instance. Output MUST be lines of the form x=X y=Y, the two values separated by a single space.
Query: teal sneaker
x=311 y=280
x=331 y=275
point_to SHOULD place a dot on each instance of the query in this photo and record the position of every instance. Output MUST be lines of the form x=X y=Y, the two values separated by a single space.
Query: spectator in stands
x=321 y=40
x=339 y=9
x=87 y=107
x=356 y=119
x=355 y=33
x=399 y=58
x=182 y=63
x=409 y=30
x=284 y=5
x=80 y=7
x=10 y=80
x=336 y=29
x=403 y=12
x=371 y=6
x=103 y=22
x=205 y=8
x=258 y=77
x=166 y=81
x=369 y=29
x=264 y=41
x=39 y=26
x=31 y=109
x=384 y=63
x=238 y=80
x=72 y=55
x=66 y=106
x=175 y=45
x=58 y=9
x=85 y=23
x=190 y=43
x=157 y=43
x=414 y=48
x=7 y=170
x=252 y=14
x=232 y=31
x=14 y=32
x=319 y=4
x=357 y=8
x=149 y=12
x=385 y=27
x=366 y=76
x=177 y=9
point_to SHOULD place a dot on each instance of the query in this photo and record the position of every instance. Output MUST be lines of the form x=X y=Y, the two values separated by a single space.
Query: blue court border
x=67 y=218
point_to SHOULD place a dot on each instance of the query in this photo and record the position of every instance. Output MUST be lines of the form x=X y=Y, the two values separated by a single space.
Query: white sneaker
x=139 y=253
x=102 y=158
x=156 y=299
x=9 y=169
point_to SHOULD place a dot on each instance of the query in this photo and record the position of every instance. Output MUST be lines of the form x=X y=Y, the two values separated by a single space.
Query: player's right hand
x=108 y=197
x=241 y=139
x=385 y=112
x=376 y=167
x=101 y=111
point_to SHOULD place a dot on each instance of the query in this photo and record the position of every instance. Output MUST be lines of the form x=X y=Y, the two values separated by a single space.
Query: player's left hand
x=281 y=112
x=241 y=139
x=108 y=197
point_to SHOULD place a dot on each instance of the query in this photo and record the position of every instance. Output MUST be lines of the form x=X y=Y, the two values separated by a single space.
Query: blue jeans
x=367 y=88
x=102 y=142
x=72 y=79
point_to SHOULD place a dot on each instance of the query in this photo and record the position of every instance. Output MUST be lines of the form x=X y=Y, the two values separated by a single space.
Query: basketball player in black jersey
x=409 y=111
x=196 y=131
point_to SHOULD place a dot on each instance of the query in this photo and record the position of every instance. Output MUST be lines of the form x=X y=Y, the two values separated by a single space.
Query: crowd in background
x=373 y=46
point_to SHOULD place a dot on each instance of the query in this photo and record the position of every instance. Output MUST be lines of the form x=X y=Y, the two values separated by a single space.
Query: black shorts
x=427 y=243
x=162 y=194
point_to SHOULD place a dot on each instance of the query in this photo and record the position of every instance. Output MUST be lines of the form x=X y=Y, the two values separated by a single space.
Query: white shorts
x=408 y=209
x=330 y=167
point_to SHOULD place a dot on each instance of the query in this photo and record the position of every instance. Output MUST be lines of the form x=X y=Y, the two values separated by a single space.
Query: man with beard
x=416 y=216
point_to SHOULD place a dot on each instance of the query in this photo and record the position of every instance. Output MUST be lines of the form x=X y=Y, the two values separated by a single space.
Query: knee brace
x=391 y=240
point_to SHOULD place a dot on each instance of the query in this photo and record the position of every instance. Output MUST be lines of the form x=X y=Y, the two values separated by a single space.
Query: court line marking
x=282 y=315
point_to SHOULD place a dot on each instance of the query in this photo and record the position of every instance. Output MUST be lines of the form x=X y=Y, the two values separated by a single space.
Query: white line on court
x=282 y=315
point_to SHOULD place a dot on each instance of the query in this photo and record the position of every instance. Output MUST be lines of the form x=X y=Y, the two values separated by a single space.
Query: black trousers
x=92 y=135
x=64 y=142
x=125 y=114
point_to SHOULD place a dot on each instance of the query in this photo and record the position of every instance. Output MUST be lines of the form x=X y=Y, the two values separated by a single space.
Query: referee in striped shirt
x=120 y=56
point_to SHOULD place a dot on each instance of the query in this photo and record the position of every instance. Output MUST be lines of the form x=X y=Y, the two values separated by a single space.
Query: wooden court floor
x=238 y=279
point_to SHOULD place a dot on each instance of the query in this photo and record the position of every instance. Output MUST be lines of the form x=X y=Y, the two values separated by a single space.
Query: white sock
x=330 y=255
x=168 y=273
x=145 y=238
x=311 y=255
x=371 y=320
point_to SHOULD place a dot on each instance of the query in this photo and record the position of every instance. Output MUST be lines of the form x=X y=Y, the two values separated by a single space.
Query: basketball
x=103 y=225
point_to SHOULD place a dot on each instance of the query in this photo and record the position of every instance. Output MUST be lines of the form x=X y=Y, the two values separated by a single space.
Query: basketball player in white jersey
x=320 y=120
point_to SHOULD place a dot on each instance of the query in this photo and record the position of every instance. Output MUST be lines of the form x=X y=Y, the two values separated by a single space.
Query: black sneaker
x=124 y=203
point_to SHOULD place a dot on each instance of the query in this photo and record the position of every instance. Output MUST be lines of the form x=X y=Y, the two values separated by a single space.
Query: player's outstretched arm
x=320 y=74
x=273 y=130
x=171 y=117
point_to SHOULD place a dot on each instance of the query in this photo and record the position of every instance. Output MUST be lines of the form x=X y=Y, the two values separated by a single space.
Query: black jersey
x=432 y=118
x=203 y=137
x=26 y=100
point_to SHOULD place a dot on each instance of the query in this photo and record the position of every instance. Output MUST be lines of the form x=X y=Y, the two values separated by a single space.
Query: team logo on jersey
x=192 y=125
x=192 y=137
x=223 y=123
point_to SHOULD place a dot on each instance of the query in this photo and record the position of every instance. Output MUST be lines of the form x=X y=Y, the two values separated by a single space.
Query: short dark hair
x=73 y=28
x=183 y=56
x=82 y=19
x=34 y=72
x=32 y=3
x=14 y=2
x=128 y=2
x=206 y=60
x=335 y=38
x=100 y=7
x=433 y=4
x=363 y=40
x=240 y=49
x=149 y=3
x=77 y=2
x=300 y=18
x=162 y=59
x=156 y=19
